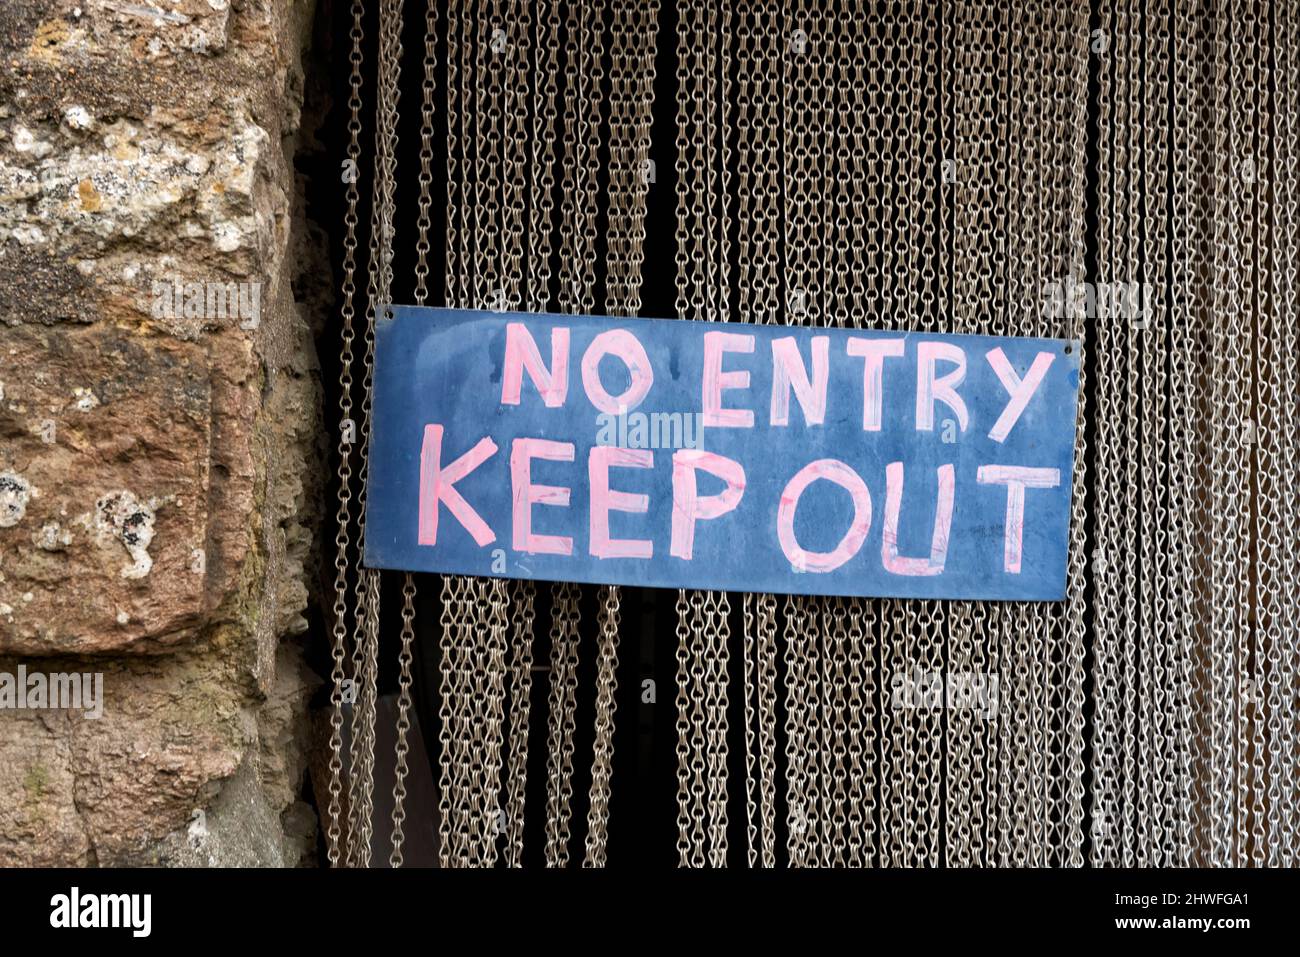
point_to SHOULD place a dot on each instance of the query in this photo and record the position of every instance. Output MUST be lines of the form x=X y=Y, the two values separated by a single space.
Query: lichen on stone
x=120 y=515
x=15 y=493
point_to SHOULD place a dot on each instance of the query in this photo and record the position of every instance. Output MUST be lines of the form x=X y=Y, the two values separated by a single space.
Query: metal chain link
x=343 y=518
x=378 y=286
x=563 y=692
x=702 y=282
x=633 y=34
x=603 y=749
x=423 y=222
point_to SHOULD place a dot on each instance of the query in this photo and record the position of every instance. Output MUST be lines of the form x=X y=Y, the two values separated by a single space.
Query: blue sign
x=670 y=453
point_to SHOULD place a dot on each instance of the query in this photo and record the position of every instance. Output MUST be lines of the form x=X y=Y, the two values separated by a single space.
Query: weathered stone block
x=156 y=463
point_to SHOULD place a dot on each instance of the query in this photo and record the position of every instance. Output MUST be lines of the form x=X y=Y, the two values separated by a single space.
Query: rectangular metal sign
x=668 y=453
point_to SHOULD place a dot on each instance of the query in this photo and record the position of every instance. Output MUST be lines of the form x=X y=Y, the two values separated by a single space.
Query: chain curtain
x=1007 y=169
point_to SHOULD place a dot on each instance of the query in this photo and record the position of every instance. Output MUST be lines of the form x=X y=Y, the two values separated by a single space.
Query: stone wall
x=159 y=468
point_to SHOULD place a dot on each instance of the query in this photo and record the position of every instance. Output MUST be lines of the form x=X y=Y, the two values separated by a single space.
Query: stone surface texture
x=159 y=468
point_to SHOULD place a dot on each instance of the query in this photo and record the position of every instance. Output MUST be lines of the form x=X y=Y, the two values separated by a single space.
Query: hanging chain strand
x=405 y=656
x=378 y=286
x=632 y=53
x=334 y=834
x=702 y=252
